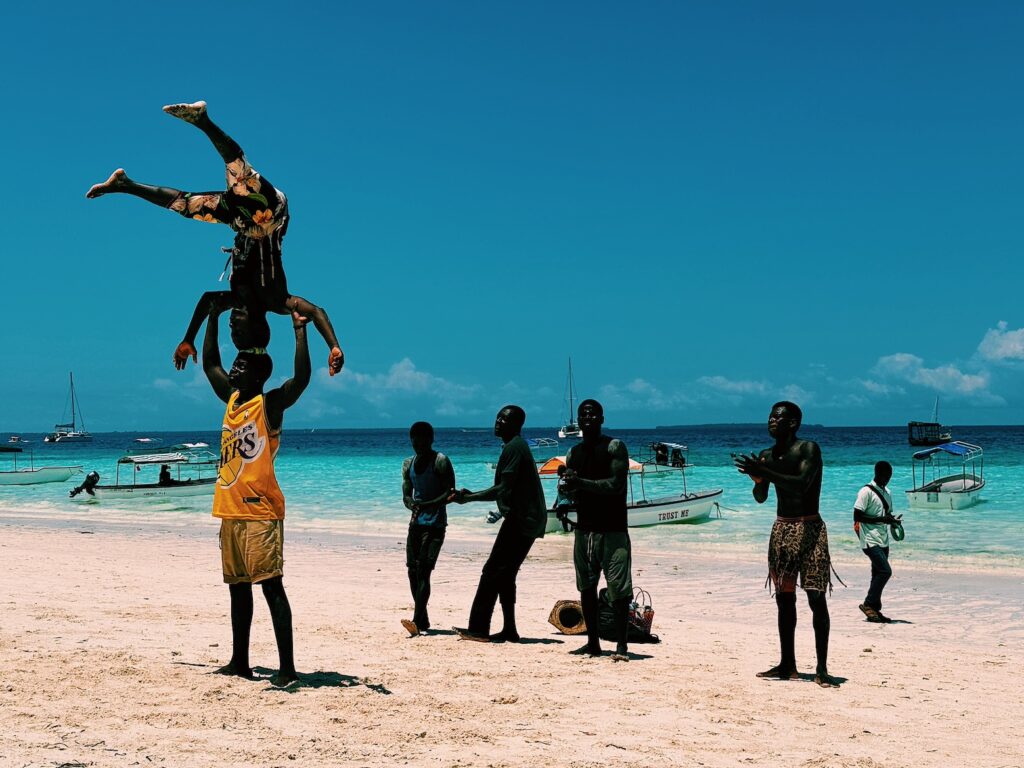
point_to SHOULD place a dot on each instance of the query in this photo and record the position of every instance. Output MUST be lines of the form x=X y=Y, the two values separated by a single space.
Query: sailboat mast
x=71 y=375
x=572 y=413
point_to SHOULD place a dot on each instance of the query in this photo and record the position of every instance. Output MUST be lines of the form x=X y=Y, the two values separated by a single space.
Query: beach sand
x=109 y=635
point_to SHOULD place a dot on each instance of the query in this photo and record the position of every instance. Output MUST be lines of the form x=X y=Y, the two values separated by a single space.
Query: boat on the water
x=647 y=502
x=17 y=440
x=570 y=430
x=193 y=472
x=33 y=475
x=69 y=432
x=940 y=486
x=922 y=433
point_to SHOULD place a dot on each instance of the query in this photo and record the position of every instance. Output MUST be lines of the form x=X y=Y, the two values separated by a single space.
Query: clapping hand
x=569 y=480
x=459 y=496
x=747 y=465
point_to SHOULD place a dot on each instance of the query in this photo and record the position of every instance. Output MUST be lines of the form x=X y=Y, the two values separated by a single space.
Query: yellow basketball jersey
x=246 y=487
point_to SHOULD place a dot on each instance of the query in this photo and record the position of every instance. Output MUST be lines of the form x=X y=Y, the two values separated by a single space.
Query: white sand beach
x=109 y=635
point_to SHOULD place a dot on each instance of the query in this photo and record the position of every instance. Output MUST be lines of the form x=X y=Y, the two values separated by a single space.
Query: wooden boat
x=33 y=475
x=646 y=478
x=941 y=488
x=193 y=470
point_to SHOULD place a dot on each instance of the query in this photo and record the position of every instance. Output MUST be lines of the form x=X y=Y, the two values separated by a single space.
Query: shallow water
x=350 y=480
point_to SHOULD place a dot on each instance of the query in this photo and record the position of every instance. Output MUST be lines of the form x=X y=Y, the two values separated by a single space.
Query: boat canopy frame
x=943 y=457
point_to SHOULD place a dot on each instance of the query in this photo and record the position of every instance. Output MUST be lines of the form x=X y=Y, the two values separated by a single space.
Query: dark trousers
x=881 y=572
x=498 y=579
x=422 y=548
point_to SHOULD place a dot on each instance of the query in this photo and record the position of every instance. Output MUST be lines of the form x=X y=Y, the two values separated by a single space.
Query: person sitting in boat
x=258 y=213
x=676 y=458
x=165 y=475
x=660 y=454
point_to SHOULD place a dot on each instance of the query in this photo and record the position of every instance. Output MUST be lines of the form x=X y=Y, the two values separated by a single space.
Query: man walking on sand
x=799 y=541
x=428 y=479
x=520 y=499
x=595 y=478
x=247 y=498
x=872 y=516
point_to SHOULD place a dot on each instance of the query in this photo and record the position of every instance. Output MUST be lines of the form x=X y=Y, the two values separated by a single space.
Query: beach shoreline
x=112 y=630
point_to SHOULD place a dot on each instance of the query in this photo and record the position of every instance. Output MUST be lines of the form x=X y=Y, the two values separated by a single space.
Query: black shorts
x=422 y=547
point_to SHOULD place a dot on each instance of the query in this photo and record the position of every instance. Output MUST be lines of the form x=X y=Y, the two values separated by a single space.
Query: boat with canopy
x=940 y=485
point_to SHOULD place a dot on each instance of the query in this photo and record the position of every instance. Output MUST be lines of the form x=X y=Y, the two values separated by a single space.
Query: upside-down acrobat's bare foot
x=190 y=113
x=117 y=180
x=780 y=673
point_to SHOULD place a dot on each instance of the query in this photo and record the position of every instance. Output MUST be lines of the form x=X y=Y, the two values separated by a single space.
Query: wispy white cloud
x=948 y=379
x=1000 y=344
x=733 y=386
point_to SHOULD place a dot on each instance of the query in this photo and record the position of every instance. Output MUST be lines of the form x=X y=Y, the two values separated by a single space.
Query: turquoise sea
x=350 y=481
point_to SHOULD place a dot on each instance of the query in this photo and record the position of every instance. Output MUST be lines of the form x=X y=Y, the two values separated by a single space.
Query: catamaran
x=570 y=429
x=69 y=433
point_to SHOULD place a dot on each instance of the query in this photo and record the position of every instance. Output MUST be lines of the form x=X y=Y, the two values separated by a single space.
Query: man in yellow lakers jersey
x=247 y=498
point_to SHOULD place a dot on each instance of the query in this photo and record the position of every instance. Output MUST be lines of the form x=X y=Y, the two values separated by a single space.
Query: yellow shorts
x=251 y=550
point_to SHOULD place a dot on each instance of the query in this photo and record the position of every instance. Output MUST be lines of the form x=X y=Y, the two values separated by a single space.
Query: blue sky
x=709 y=205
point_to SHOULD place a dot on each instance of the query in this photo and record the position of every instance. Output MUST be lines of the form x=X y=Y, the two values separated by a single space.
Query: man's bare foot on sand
x=410 y=627
x=825 y=680
x=117 y=180
x=284 y=679
x=190 y=113
x=587 y=650
x=780 y=673
x=231 y=670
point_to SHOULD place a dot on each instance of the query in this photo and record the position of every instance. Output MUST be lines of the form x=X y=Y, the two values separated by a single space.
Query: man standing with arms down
x=247 y=498
x=428 y=479
x=520 y=498
x=872 y=515
x=799 y=540
x=595 y=476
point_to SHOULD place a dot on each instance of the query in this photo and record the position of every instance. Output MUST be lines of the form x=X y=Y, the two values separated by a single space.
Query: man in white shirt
x=872 y=515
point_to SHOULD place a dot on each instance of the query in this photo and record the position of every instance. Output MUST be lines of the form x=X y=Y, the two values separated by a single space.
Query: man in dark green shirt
x=520 y=498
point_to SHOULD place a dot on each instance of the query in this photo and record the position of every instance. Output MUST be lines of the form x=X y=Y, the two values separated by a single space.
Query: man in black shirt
x=520 y=498
x=596 y=478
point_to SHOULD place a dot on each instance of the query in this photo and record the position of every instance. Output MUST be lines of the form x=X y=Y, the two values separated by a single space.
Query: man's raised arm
x=288 y=393
x=211 y=358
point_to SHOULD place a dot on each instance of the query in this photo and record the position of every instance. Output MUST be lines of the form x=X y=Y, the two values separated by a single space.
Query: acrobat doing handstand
x=258 y=213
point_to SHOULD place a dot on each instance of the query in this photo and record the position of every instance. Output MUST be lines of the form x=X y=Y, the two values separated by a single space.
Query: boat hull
x=40 y=475
x=202 y=487
x=667 y=510
x=953 y=492
x=67 y=439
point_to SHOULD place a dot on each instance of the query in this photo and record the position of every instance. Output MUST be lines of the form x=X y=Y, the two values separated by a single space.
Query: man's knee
x=816 y=599
x=273 y=587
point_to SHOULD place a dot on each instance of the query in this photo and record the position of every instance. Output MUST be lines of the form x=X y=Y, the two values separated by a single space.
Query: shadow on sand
x=318 y=679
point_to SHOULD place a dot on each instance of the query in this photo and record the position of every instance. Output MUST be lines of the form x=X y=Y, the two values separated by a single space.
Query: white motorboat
x=17 y=440
x=570 y=430
x=69 y=432
x=679 y=507
x=940 y=486
x=193 y=472
x=33 y=475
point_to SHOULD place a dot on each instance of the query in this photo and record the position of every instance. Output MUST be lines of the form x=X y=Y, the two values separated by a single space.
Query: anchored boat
x=191 y=471
x=649 y=475
x=69 y=433
x=940 y=486
x=33 y=475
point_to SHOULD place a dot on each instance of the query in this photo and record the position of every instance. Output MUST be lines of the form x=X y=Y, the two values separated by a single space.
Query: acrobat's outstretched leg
x=197 y=115
x=119 y=182
x=336 y=358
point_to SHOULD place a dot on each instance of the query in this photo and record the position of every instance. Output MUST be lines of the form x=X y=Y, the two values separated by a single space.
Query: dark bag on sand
x=641 y=616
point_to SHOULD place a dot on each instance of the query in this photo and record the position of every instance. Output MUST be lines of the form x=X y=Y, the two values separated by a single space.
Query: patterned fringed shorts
x=799 y=547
